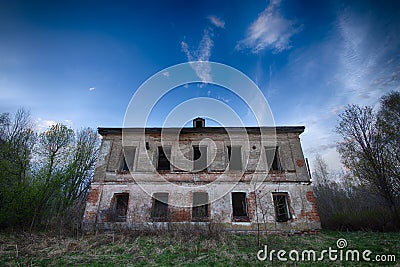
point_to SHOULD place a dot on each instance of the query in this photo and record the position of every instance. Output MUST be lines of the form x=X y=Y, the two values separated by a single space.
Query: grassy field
x=177 y=249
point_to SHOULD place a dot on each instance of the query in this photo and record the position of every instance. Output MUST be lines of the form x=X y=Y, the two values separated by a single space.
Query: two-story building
x=239 y=177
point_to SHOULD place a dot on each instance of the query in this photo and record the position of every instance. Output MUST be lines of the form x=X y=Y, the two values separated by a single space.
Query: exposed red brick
x=179 y=214
x=310 y=215
x=93 y=196
x=313 y=214
x=300 y=163
x=251 y=205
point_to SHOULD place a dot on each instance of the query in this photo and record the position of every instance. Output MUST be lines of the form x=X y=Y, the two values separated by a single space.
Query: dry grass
x=172 y=248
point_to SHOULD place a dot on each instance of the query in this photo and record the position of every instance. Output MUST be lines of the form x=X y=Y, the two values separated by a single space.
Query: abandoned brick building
x=201 y=175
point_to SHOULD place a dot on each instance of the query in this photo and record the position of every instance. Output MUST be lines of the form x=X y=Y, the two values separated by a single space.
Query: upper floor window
x=199 y=158
x=164 y=154
x=272 y=156
x=128 y=157
x=235 y=157
x=282 y=212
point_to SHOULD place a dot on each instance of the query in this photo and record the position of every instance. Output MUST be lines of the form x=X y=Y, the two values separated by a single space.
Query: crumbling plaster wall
x=253 y=154
x=294 y=180
x=303 y=211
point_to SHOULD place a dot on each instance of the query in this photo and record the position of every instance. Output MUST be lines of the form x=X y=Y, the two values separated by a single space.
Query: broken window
x=239 y=205
x=235 y=157
x=120 y=207
x=160 y=206
x=128 y=156
x=164 y=154
x=272 y=155
x=199 y=158
x=282 y=213
x=200 y=205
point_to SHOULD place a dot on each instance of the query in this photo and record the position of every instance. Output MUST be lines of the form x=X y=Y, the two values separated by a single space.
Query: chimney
x=199 y=123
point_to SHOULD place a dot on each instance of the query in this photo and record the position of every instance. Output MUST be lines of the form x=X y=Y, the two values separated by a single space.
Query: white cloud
x=92 y=88
x=43 y=125
x=368 y=66
x=68 y=123
x=165 y=73
x=269 y=30
x=337 y=109
x=202 y=53
x=224 y=99
x=217 y=22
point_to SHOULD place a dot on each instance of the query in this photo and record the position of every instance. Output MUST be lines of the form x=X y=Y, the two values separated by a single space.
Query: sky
x=81 y=62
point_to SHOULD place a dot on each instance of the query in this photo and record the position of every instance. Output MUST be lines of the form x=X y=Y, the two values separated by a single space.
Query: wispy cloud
x=337 y=109
x=202 y=53
x=217 y=22
x=369 y=61
x=361 y=62
x=270 y=30
x=92 y=88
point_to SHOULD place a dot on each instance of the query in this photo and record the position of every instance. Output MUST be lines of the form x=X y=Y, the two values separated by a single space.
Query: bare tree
x=389 y=123
x=81 y=166
x=67 y=166
x=365 y=153
x=321 y=175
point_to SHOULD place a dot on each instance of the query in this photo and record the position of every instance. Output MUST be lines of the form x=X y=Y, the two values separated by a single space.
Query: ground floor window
x=200 y=206
x=159 y=209
x=281 y=204
x=120 y=207
x=239 y=205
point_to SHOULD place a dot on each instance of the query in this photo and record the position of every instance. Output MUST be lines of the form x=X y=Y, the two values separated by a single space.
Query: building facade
x=243 y=178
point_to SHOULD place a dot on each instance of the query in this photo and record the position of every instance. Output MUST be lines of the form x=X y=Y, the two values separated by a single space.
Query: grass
x=182 y=249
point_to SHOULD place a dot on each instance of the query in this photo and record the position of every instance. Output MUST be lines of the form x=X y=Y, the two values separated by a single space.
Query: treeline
x=44 y=176
x=366 y=194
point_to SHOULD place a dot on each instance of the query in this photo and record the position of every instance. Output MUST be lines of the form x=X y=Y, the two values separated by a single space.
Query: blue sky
x=80 y=62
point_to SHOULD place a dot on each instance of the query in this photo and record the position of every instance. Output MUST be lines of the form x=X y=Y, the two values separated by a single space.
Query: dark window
x=120 y=207
x=272 y=155
x=163 y=159
x=160 y=206
x=124 y=165
x=282 y=213
x=198 y=123
x=128 y=156
x=200 y=205
x=199 y=158
x=235 y=157
x=239 y=205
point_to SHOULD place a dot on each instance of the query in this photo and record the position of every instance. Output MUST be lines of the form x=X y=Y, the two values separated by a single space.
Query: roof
x=223 y=130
